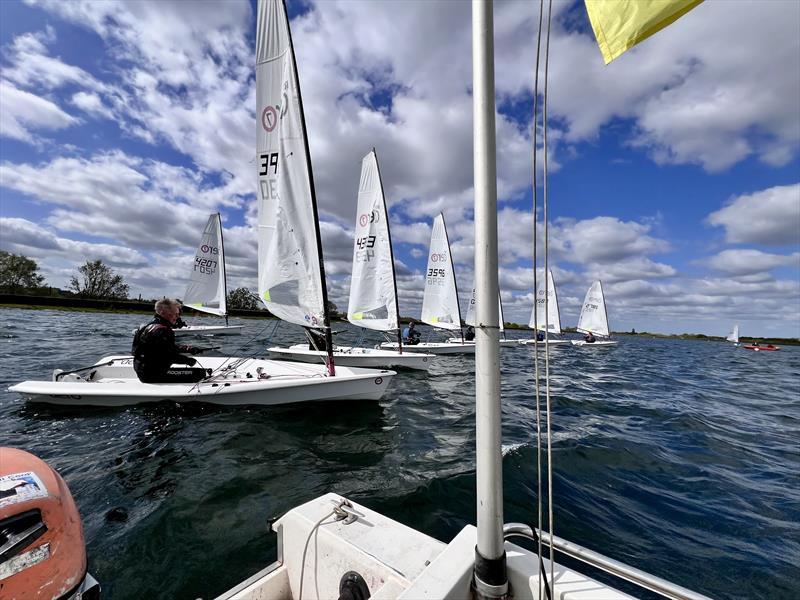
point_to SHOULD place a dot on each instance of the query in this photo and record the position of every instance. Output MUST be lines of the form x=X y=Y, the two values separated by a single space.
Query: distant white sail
x=373 y=296
x=547 y=316
x=289 y=266
x=470 y=319
x=733 y=336
x=440 y=302
x=206 y=290
x=593 y=314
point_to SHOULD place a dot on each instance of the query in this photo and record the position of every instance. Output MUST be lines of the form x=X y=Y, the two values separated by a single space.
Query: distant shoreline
x=142 y=307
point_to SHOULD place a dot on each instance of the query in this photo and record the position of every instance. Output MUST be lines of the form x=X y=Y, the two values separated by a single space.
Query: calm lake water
x=679 y=457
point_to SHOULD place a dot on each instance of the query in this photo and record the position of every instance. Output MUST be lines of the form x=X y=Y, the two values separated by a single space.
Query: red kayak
x=757 y=347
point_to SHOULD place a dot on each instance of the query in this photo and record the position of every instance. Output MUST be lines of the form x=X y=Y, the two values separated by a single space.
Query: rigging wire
x=550 y=522
x=535 y=135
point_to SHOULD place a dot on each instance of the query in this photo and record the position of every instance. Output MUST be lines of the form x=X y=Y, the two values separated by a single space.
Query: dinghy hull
x=253 y=382
x=596 y=343
x=354 y=357
x=209 y=330
x=435 y=348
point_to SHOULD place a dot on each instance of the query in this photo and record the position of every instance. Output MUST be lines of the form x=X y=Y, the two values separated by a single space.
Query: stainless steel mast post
x=490 y=578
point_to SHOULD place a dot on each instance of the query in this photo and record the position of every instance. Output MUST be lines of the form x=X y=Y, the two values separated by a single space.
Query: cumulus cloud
x=751 y=262
x=770 y=217
x=21 y=236
x=23 y=113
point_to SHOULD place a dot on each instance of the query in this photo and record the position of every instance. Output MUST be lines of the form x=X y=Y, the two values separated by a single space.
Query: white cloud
x=751 y=262
x=770 y=217
x=23 y=112
x=92 y=104
x=21 y=236
x=606 y=240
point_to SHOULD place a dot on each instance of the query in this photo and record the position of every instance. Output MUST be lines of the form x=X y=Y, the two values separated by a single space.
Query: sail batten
x=290 y=272
x=545 y=314
x=206 y=290
x=440 y=302
x=593 y=317
x=373 y=295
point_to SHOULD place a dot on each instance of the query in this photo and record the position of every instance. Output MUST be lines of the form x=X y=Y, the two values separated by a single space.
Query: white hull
x=209 y=330
x=543 y=342
x=596 y=343
x=394 y=560
x=354 y=357
x=502 y=342
x=117 y=385
x=435 y=347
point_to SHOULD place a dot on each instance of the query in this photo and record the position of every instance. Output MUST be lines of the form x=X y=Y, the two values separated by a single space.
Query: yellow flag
x=621 y=24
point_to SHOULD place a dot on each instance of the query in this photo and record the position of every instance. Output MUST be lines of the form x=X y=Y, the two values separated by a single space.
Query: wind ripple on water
x=678 y=457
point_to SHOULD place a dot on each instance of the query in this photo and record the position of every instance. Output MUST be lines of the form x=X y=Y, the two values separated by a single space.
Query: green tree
x=98 y=281
x=19 y=272
x=243 y=299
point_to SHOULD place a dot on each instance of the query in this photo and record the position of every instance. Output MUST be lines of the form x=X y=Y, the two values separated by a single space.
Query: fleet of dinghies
x=332 y=547
x=290 y=272
x=208 y=288
x=357 y=552
x=373 y=289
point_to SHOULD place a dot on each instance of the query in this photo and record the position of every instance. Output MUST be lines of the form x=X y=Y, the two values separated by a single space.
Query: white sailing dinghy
x=207 y=290
x=373 y=289
x=470 y=320
x=733 y=336
x=331 y=547
x=545 y=314
x=594 y=318
x=291 y=279
x=440 y=307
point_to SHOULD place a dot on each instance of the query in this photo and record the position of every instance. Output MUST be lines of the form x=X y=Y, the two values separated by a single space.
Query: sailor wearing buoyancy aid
x=155 y=351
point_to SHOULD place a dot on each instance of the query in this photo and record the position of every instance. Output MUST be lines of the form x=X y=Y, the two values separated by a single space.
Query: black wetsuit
x=154 y=352
x=469 y=335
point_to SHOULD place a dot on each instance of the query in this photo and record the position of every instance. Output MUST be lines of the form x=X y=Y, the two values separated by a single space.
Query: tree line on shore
x=94 y=280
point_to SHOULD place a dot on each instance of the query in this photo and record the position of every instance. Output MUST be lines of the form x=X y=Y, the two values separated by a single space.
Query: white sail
x=289 y=265
x=373 y=297
x=440 y=302
x=470 y=319
x=206 y=290
x=546 y=313
x=733 y=336
x=593 y=314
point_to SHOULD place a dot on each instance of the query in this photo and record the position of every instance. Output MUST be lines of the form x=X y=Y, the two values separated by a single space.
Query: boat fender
x=353 y=587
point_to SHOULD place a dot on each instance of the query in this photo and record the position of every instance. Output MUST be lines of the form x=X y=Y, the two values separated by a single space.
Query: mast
x=224 y=268
x=326 y=322
x=605 y=310
x=391 y=255
x=453 y=270
x=490 y=578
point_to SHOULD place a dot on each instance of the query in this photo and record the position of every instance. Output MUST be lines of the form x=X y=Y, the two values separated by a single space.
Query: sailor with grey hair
x=155 y=351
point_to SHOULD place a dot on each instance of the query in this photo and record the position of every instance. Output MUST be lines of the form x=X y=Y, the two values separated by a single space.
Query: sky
x=674 y=172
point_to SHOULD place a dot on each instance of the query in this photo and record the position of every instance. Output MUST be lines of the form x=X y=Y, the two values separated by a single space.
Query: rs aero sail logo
x=272 y=114
x=439 y=257
x=372 y=217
